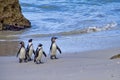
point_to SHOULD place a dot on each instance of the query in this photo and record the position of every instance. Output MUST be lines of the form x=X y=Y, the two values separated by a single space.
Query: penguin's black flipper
x=36 y=55
x=27 y=49
x=44 y=54
x=34 y=52
x=59 y=49
x=51 y=47
x=18 y=52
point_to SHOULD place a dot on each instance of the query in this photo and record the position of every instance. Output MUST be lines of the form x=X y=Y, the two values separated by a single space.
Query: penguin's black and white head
x=22 y=43
x=40 y=45
x=30 y=40
x=53 y=39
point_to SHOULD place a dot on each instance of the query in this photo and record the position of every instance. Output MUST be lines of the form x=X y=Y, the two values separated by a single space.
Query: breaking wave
x=78 y=31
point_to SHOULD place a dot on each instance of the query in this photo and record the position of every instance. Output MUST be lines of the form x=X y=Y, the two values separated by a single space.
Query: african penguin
x=39 y=53
x=54 y=48
x=22 y=53
x=30 y=50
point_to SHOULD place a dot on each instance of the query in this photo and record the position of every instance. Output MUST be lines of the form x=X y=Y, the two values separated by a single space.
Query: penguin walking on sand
x=54 y=48
x=39 y=53
x=22 y=53
x=30 y=50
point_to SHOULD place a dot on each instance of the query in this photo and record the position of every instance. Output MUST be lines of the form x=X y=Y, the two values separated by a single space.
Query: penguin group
x=25 y=53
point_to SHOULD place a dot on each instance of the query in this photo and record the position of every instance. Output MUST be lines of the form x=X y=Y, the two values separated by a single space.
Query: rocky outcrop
x=11 y=15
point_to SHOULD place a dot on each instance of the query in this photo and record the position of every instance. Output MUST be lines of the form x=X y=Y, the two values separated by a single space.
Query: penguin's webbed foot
x=56 y=58
x=29 y=59
x=20 y=60
x=25 y=61
x=53 y=57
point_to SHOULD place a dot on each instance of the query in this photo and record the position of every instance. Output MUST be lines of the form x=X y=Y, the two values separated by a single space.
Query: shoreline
x=10 y=48
x=68 y=44
x=94 y=65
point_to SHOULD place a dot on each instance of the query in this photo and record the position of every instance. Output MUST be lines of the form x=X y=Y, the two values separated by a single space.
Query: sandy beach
x=87 y=65
x=88 y=34
x=85 y=57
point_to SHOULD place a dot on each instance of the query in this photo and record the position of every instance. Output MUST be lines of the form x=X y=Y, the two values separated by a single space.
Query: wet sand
x=8 y=48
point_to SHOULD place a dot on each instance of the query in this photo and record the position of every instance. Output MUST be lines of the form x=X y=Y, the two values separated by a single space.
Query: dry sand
x=89 y=65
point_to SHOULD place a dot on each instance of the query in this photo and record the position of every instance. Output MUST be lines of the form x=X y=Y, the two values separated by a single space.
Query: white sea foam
x=106 y=27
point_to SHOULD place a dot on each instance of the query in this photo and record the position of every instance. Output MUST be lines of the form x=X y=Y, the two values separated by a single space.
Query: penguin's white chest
x=54 y=49
x=30 y=51
x=22 y=53
x=40 y=54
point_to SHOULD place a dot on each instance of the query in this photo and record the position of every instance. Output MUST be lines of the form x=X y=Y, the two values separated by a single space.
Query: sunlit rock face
x=11 y=17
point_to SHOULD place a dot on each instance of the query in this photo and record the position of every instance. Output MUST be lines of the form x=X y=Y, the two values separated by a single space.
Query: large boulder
x=10 y=14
